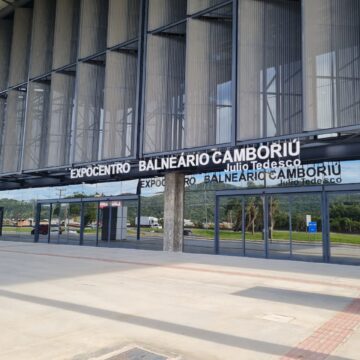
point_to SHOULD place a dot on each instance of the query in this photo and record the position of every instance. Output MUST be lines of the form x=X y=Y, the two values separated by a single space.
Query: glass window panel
x=93 y=27
x=164 y=97
x=332 y=62
x=279 y=233
x=91 y=223
x=44 y=224
x=42 y=37
x=5 y=46
x=20 y=46
x=269 y=69
x=120 y=103
x=36 y=124
x=13 y=131
x=152 y=221
x=231 y=217
x=66 y=34
x=124 y=18
x=199 y=219
x=344 y=214
x=164 y=12
x=90 y=112
x=208 y=79
x=306 y=245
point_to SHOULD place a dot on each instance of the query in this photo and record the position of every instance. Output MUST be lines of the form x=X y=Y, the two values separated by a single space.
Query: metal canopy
x=331 y=151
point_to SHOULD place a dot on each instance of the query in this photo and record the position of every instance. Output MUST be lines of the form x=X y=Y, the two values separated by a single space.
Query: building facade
x=216 y=126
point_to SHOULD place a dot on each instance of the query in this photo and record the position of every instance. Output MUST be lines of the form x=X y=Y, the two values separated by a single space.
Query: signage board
x=312 y=227
x=275 y=155
x=308 y=219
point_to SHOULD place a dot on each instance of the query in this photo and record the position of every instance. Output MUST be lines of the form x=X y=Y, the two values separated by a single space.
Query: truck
x=148 y=221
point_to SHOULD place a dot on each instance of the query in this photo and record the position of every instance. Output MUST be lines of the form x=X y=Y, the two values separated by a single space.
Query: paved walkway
x=71 y=302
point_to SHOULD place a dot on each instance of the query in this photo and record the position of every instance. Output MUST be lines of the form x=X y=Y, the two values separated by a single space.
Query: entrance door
x=231 y=225
x=279 y=234
x=254 y=226
x=241 y=226
x=44 y=225
x=271 y=225
x=307 y=241
x=65 y=223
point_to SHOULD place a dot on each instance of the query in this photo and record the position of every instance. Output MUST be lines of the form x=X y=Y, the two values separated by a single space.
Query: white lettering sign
x=274 y=155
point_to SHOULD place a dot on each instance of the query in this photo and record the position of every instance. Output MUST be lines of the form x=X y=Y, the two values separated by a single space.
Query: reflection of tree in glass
x=233 y=212
x=253 y=208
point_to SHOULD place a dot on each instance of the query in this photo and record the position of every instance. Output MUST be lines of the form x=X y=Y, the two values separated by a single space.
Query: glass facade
x=120 y=79
x=85 y=82
x=224 y=213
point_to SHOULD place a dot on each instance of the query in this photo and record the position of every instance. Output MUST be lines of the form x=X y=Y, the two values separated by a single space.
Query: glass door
x=254 y=226
x=91 y=221
x=56 y=227
x=104 y=213
x=344 y=215
x=44 y=225
x=306 y=228
x=279 y=223
x=279 y=226
x=231 y=225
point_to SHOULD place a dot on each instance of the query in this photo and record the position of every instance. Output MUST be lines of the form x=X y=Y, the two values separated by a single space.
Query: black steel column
x=82 y=223
x=216 y=224
x=37 y=223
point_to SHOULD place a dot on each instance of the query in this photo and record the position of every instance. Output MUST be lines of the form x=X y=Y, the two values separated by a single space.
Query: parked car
x=44 y=229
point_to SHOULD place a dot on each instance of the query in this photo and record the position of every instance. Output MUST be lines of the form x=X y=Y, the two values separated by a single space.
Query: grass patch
x=279 y=235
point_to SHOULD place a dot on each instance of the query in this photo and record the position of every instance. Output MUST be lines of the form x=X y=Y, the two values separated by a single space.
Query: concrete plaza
x=78 y=302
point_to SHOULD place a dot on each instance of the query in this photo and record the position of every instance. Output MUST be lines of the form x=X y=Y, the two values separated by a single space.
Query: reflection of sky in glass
x=223 y=112
x=104 y=189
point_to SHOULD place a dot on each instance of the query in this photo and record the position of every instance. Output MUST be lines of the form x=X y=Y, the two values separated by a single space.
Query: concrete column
x=174 y=212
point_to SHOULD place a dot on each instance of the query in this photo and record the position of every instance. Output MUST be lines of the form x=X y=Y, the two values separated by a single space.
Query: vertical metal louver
x=93 y=27
x=66 y=35
x=164 y=92
x=42 y=37
x=269 y=69
x=13 y=131
x=123 y=22
x=37 y=114
x=331 y=63
x=194 y=6
x=59 y=127
x=119 y=126
x=5 y=46
x=120 y=104
x=164 y=12
x=209 y=79
x=36 y=124
x=61 y=113
x=20 y=46
x=89 y=112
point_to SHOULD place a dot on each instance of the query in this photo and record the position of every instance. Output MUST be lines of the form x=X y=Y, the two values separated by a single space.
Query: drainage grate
x=137 y=354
